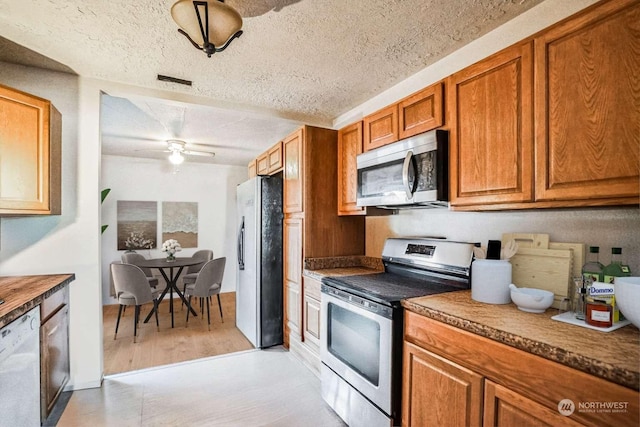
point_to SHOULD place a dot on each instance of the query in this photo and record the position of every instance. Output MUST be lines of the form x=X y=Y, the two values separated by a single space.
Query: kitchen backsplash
x=605 y=227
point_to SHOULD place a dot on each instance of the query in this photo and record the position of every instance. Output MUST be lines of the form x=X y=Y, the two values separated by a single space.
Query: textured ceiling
x=297 y=61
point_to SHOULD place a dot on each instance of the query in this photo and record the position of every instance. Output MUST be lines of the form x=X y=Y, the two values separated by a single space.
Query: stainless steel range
x=361 y=329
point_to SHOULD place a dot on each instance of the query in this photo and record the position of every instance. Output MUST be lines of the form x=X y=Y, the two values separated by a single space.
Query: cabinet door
x=349 y=146
x=311 y=313
x=252 y=170
x=588 y=106
x=437 y=392
x=30 y=143
x=491 y=145
x=505 y=408
x=275 y=158
x=381 y=128
x=54 y=358
x=262 y=164
x=293 y=258
x=311 y=320
x=293 y=172
x=420 y=112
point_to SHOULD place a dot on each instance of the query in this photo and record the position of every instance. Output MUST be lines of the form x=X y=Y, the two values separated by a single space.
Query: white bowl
x=627 y=291
x=532 y=300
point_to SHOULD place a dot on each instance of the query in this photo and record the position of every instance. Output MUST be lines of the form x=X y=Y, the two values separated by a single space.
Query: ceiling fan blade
x=199 y=153
x=153 y=151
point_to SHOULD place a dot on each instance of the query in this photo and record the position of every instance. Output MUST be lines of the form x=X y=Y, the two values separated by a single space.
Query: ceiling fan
x=177 y=149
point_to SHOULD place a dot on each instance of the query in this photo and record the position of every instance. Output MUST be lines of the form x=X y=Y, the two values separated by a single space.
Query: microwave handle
x=405 y=174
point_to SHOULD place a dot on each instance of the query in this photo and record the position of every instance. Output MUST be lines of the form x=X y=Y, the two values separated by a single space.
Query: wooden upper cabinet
x=421 y=112
x=381 y=128
x=252 y=170
x=588 y=105
x=292 y=148
x=30 y=154
x=274 y=158
x=262 y=164
x=491 y=139
x=349 y=146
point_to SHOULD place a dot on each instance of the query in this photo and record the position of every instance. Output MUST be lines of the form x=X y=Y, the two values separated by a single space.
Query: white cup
x=490 y=280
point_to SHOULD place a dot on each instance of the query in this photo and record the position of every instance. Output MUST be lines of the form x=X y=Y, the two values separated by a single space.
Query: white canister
x=490 y=279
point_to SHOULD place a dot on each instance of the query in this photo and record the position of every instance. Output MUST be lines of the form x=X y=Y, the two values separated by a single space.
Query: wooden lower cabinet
x=307 y=346
x=505 y=408
x=437 y=392
x=452 y=377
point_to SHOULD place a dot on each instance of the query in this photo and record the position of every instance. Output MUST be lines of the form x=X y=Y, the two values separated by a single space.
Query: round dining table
x=170 y=271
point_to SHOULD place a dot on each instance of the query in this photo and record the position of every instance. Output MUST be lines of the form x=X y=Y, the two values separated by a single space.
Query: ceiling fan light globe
x=176 y=158
x=224 y=21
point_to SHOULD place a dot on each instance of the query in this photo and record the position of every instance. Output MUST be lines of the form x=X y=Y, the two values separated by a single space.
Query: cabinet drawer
x=53 y=303
x=312 y=287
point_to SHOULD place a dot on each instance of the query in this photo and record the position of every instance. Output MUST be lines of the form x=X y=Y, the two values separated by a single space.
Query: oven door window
x=386 y=179
x=354 y=340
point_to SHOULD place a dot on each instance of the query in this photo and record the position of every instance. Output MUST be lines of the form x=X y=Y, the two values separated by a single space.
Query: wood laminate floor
x=251 y=388
x=170 y=345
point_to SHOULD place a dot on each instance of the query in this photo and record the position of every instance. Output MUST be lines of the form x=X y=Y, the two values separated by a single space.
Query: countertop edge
x=29 y=304
x=579 y=362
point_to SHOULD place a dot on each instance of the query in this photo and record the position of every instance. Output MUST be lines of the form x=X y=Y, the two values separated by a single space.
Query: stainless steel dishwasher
x=20 y=371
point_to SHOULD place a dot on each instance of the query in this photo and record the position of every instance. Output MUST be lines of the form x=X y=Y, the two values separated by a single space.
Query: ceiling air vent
x=174 y=80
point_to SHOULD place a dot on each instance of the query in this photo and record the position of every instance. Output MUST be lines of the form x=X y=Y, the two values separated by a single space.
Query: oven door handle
x=408 y=188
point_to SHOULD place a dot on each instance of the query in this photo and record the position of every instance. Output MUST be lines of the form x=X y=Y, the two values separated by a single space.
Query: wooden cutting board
x=578 y=252
x=549 y=269
x=527 y=240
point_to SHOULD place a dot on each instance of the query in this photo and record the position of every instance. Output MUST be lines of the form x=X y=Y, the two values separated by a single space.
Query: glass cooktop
x=389 y=288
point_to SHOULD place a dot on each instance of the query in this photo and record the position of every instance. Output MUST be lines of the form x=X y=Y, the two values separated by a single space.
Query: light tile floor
x=252 y=388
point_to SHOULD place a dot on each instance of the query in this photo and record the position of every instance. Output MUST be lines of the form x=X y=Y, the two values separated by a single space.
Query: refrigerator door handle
x=241 y=246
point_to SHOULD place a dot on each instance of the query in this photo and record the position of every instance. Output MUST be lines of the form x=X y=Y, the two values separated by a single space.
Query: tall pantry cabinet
x=312 y=228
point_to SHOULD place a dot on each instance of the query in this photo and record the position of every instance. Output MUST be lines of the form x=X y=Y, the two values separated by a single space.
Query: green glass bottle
x=615 y=268
x=592 y=269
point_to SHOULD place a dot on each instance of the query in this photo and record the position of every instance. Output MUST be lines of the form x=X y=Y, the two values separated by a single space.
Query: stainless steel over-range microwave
x=413 y=172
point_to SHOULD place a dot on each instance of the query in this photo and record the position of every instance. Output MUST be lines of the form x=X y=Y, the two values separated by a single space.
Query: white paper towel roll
x=490 y=279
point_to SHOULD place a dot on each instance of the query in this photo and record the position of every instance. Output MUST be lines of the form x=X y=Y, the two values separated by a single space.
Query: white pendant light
x=209 y=25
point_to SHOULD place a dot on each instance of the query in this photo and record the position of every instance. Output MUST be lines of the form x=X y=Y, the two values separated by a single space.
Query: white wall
x=604 y=227
x=212 y=186
x=67 y=243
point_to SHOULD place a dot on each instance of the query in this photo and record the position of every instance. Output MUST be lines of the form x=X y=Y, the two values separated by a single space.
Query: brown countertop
x=22 y=293
x=614 y=356
x=318 y=268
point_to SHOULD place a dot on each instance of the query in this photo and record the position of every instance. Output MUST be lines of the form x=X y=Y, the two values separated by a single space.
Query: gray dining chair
x=192 y=271
x=132 y=288
x=133 y=258
x=208 y=283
